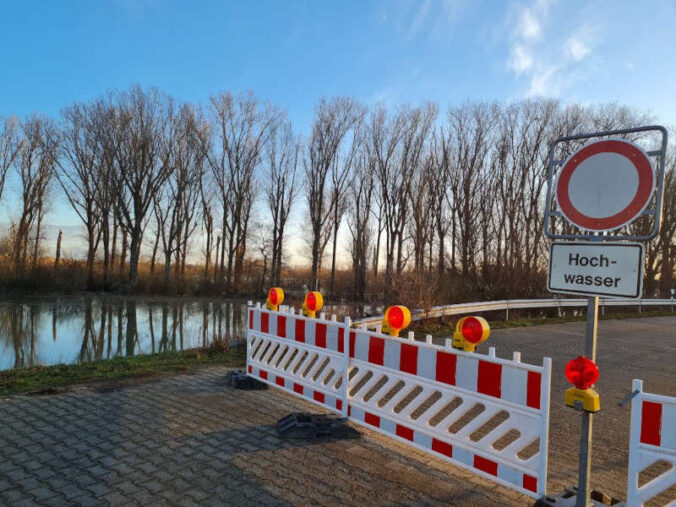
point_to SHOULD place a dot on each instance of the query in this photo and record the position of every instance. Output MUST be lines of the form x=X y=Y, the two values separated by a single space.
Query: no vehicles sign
x=599 y=269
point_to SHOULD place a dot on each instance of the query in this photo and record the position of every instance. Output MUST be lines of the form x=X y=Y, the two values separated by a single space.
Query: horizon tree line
x=446 y=204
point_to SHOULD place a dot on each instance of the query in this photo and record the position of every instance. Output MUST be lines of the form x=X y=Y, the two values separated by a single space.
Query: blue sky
x=294 y=52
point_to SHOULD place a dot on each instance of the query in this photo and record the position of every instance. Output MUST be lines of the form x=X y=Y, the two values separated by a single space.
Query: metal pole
x=584 y=486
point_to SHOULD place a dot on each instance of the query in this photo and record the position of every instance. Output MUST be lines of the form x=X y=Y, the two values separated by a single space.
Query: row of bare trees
x=453 y=199
x=460 y=197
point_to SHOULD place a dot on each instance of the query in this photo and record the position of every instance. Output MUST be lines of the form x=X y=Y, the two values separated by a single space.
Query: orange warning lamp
x=470 y=332
x=396 y=318
x=275 y=298
x=314 y=301
x=582 y=373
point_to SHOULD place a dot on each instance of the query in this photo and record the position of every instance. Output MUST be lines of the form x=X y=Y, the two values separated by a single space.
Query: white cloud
x=419 y=19
x=529 y=25
x=550 y=57
x=528 y=29
x=520 y=59
x=416 y=18
x=544 y=83
x=576 y=49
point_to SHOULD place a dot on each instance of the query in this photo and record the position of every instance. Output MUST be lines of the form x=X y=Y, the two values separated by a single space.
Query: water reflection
x=67 y=330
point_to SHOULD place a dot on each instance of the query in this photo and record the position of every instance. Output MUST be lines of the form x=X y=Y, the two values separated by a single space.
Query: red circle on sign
x=646 y=181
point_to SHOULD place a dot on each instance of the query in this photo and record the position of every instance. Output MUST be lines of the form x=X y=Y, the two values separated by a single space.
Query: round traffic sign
x=605 y=185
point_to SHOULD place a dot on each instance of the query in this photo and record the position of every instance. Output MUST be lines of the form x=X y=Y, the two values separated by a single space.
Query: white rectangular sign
x=596 y=269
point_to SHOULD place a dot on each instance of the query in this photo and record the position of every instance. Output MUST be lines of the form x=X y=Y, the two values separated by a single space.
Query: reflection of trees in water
x=111 y=327
x=18 y=330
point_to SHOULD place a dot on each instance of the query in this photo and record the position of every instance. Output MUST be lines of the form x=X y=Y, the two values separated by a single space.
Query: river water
x=76 y=329
x=49 y=330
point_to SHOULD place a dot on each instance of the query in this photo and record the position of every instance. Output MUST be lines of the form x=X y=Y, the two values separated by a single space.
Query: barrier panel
x=483 y=413
x=652 y=439
x=479 y=412
x=301 y=355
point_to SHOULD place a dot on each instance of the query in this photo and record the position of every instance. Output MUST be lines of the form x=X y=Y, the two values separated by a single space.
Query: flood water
x=77 y=329
x=49 y=330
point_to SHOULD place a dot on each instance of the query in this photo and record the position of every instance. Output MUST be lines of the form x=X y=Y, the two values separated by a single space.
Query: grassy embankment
x=47 y=378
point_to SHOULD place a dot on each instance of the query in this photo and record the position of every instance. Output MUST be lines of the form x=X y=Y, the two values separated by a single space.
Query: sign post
x=584 y=471
x=600 y=189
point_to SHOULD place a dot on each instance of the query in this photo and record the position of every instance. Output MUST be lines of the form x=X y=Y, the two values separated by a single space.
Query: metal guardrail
x=515 y=304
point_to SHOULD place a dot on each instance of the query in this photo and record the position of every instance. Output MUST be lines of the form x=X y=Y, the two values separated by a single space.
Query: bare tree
x=104 y=118
x=333 y=120
x=241 y=126
x=361 y=189
x=141 y=161
x=398 y=145
x=80 y=173
x=35 y=165
x=280 y=189
x=469 y=132
x=340 y=177
x=10 y=144
x=176 y=202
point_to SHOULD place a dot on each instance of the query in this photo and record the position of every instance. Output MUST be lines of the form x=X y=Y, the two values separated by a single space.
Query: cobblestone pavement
x=192 y=440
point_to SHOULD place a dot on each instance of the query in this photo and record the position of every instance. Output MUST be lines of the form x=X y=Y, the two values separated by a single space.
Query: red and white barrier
x=301 y=355
x=479 y=412
x=652 y=438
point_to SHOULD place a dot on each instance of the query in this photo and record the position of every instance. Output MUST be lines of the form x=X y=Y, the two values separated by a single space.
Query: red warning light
x=311 y=302
x=582 y=372
x=395 y=317
x=273 y=296
x=472 y=330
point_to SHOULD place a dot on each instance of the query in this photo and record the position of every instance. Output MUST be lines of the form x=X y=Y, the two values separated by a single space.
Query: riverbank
x=47 y=379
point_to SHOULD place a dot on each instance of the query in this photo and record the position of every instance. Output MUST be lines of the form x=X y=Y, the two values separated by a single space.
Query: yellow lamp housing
x=314 y=302
x=275 y=298
x=396 y=318
x=470 y=332
x=586 y=399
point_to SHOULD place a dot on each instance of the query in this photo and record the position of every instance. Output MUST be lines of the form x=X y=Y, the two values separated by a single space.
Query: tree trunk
x=57 y=256
x=91 y=253
x=315 y=260
x=134 y=251
x=217 y=268
x=167 y=269
x=38 y=231
x=123 y=254
x=207 y=259
x=113 y=247
x=154 y=256
x=105 y=228
x=333 y=254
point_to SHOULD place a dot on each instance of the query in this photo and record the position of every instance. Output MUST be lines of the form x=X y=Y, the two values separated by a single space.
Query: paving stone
x=192 y=440
x=116 y=498
x=42 y=493
x=99 y=489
